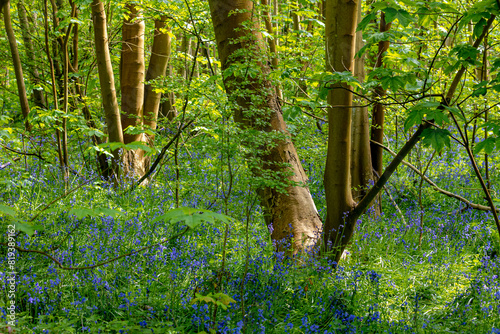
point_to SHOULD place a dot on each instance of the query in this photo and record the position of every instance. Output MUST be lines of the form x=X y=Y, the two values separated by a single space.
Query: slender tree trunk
x=26 y=31
x=132 y=70
x=184 y=50
x=54 y=84
x=106 y=80
x=361 y=164
x=18 y=69
x=271 y=42
x=378 y=108
x=160 y=56
x=168 y=109
x=341 y=18
x=292 y=212
x=269 y=29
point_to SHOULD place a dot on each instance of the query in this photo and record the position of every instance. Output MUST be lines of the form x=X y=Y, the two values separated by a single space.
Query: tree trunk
x=239 y=42
x=18 y=69
x=26 y=31
x=361 y=164
x=341 y=18
x=379 y=109
x=132 y=86
x=160 y=56
x=106 y=80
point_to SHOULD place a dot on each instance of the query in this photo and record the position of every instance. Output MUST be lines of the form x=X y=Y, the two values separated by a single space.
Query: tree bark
x=378 y=108
x=340 y=30
x=239 y=42
x=160 y=56
x=132 y=70
x=18 y=69
x=38 y=96
x=106 y=80
x=361 y=164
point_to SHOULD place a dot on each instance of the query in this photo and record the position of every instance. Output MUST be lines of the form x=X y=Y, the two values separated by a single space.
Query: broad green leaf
x=7 y=210
x=466 y=52
x=415 y=117
x=404 y=18
x=135 y=145
x=390 y=14
x=438 y=116
x=22 y=226
x=436 y=138
x=80 y=212
x=192 y=217
x=488 y=145
x=480 y=92
x=366 y=21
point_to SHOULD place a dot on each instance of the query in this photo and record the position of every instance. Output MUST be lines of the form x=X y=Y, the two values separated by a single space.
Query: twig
x=23 y=153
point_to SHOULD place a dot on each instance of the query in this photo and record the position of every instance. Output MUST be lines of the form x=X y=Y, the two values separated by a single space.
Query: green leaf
x=81 y=212
x=455 y=111
x=478 y=28
x=480 y=92
x=192 y=217
x=488 y=145
x=366 y=21
x=135 y=145
x=390 y=14
x=466 y=52
x=438 y=116
x=7 y=210
x=405 y=18
x=415 y=117
x=436 y=138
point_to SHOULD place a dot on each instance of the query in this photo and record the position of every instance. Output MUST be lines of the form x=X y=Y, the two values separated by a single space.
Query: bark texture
x=106 y=79
x=132 y=70
x=157 y=67
x=361 y=164
x=240 y=43
x=26 y=31
x=379 y=109
x=341 y=18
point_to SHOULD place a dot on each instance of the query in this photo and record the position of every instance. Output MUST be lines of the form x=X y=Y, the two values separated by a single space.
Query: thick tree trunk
x=341 y=18
x=106 y=79
x=18 y=69
x=361 y=164
x=132 y=86
x=26 y=31
x=239 y=41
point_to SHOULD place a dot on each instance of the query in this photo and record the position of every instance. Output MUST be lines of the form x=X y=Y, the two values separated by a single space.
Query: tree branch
x=435 y=186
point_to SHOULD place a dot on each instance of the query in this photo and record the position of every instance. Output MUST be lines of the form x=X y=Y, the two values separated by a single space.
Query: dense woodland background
x=250 y=166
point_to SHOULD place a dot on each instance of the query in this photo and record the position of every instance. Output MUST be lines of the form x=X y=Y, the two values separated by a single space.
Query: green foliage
x=11 y=215
x=192 y=217
x=219 y=299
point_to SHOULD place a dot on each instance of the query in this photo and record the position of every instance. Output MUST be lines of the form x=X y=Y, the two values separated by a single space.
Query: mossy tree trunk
x=291 y=212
